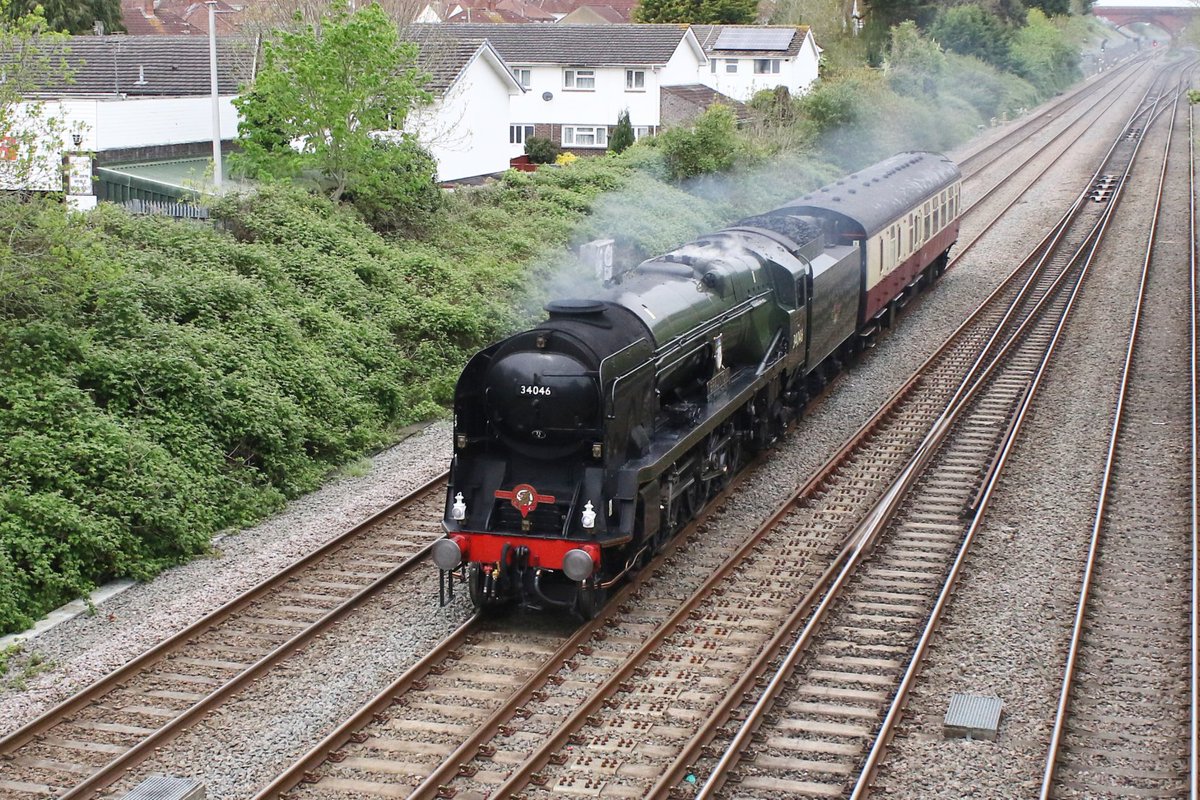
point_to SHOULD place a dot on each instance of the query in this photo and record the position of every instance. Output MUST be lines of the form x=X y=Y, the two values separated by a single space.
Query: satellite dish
x=547 y=96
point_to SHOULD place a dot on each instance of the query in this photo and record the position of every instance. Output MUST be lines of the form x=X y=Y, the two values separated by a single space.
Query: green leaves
x=321 y=96
x=697 y=12
x=709 y=145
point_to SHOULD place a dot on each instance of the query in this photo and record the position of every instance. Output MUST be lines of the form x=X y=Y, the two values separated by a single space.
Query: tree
x=914 y=63
x=1042 y=55
x=330 y=92
x=698 y=12
x=72 y=16
x=31 y=131
x=971 y=31
x=622 y=136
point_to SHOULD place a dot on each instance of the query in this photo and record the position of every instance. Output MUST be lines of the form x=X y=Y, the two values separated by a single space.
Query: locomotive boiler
x=581 y=446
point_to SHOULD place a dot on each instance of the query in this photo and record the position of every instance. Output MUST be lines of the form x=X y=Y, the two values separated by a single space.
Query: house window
x=712 y=65
x=766 y=66
x=635 y=80
x=731 y=65
x=584 y=136
x=641 y=130
x=519 y=134
x=579 y=79
x=524 y=76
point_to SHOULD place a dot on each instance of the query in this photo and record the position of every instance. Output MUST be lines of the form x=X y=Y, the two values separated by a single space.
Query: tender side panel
x=837 y=281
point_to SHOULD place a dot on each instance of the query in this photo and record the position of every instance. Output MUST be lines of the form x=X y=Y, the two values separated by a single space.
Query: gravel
x=243 y=744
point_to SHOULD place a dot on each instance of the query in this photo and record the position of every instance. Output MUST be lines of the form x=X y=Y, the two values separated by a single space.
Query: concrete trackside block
x=973 y=716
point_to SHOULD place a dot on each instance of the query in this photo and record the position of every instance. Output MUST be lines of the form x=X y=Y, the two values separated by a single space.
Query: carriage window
x=937 y=225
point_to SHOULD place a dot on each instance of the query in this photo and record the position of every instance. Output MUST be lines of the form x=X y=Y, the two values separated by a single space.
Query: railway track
x=90 y=740
x=1076 y=105
x=1125 y=718
x=833 y=685
x=658 y=670
x=138 y=708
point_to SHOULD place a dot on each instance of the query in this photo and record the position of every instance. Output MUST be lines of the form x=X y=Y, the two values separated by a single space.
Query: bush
x=1042 y=55
x=709 y=145
x=399 y=194
x=541 y=150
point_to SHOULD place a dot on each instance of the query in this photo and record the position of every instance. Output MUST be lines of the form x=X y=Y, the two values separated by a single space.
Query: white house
x=465 y=128
x=744 y=59
x=135 y=98
x=579 y=78
x=142 y=107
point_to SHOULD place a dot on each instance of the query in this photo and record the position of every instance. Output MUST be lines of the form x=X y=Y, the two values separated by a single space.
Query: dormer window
x=582 y=79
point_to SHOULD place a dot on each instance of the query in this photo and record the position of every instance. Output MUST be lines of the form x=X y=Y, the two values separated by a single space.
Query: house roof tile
x=578 y=45
x=156 y=22
x=151 y=66
x=177 y=66
x=702 y=96
x=444 y=59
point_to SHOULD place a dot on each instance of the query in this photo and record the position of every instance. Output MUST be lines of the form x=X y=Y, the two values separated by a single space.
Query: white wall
x=684 y=65
x=796 y=73
x=467 y=130
x=600 y=106
x=158 y=121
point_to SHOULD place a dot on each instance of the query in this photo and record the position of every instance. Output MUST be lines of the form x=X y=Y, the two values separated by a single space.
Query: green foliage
x=329 y=90
x=1193 y=96
x=6 y=655
x=70 y=16
x=971 y=31
x=1043 y=54
x=987 y=90
x=697 y=12
x=914 y=63
x=774 y=107
x=1052 y=8
x=622 y=136
x=396 y=192
x=709 y=145
x=541 y=150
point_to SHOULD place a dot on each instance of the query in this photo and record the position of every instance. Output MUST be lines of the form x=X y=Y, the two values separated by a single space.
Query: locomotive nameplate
x=718 y=383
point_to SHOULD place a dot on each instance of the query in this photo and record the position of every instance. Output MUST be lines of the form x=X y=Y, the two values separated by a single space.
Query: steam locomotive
x=583 y=445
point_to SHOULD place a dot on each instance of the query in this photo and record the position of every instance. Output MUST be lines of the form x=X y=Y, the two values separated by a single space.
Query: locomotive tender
x=581 y=446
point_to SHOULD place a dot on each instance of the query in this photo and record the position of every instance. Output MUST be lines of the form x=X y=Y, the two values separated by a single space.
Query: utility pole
x=216 y=102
